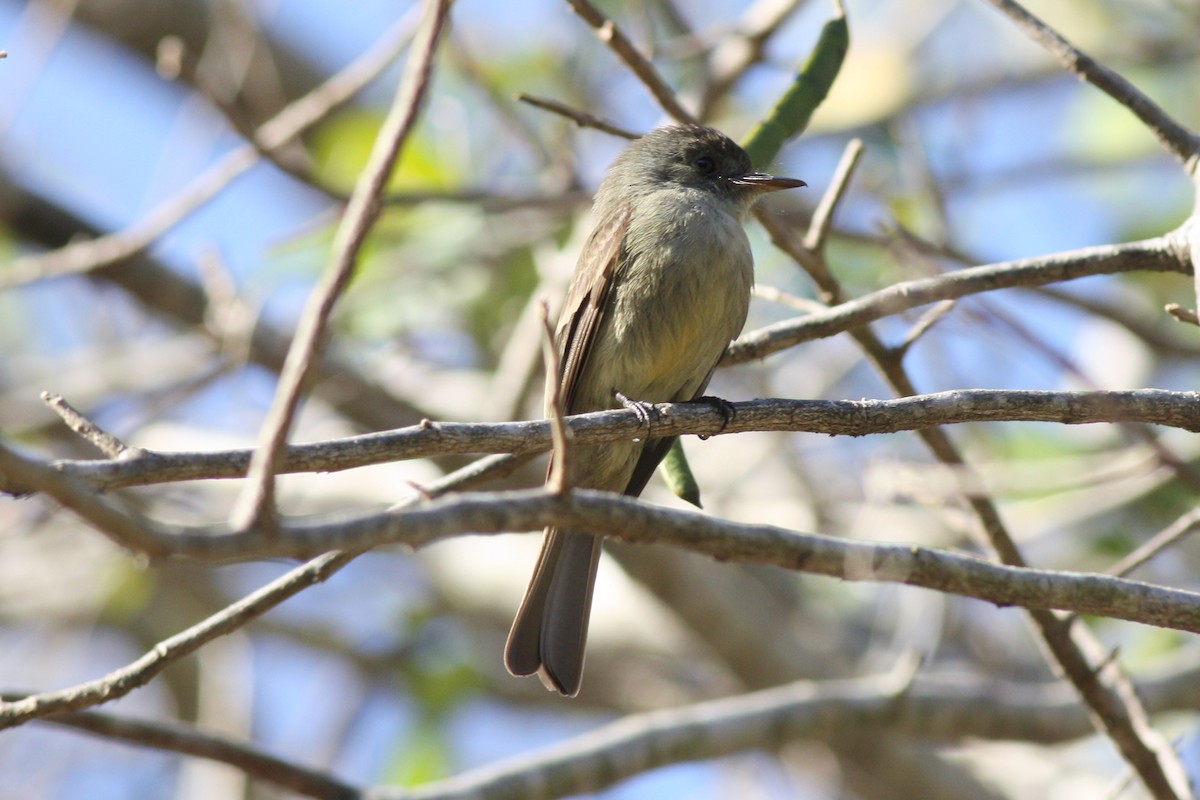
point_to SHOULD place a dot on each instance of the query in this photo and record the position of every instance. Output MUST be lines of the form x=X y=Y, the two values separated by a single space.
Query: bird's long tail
x=550 y=630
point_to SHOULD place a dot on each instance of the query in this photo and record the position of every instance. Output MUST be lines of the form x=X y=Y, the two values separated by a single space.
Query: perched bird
x=661 y=288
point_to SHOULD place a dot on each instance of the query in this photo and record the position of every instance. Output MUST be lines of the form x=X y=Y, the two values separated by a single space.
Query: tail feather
x=550 y=631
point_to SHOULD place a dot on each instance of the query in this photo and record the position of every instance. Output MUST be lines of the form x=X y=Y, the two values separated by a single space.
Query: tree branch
x=256 y=506
x=1178 y=140
x=1162 y=254
x=608 y=32
x=833 y=417
x=636 y=521
x=933 y=707
x=179 y=738
x=140 y=672
x=768 y=719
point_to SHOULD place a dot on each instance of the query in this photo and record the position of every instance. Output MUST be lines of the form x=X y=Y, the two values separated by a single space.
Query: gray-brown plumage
x=662 y=286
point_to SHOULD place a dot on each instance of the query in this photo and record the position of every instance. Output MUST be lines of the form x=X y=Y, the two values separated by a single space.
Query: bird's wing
x=583 y=310
x=548 y=635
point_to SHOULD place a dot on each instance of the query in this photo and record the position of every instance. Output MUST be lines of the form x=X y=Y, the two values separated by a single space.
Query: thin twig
x=1178 y=140
x=255 y=506
x=581 y=118
x=822 y=218
x=1182 y=314
x=557 y=480
x=928 y=319
x=608 y=32
x=103 y=441
x=1165 y=538
x=178 y=738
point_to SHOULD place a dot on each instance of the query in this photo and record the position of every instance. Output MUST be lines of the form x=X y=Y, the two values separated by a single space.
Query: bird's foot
x=646 y=412
x=725 y=408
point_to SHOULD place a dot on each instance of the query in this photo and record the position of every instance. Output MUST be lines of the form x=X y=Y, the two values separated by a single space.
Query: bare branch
x=608 y=32
x=256 y=504
x=178 y=738
x=581 y=118
x=1160 y=254
x=831 y=417
x=822 y=218
x=1168 y=537
x=767 y=719
x=930 y=707
x=932 y=316
x=103 y=441
x=1178 y=140
x=481 y=513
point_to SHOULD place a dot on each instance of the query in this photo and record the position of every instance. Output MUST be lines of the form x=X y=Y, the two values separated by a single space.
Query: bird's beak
x=766 y=183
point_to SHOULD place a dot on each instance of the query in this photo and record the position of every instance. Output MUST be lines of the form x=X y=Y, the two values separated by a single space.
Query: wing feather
x=583 y=311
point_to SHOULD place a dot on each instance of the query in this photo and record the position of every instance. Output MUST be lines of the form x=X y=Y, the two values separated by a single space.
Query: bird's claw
x=646 y=412
x=725 y=408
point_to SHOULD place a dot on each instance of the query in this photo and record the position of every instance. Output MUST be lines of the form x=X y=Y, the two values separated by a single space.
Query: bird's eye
x=705 y=165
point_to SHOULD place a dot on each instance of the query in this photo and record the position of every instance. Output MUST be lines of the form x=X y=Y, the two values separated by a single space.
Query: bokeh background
x=978 y=149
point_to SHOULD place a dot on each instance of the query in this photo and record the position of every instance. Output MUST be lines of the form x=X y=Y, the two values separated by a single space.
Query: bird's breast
x=681 y=295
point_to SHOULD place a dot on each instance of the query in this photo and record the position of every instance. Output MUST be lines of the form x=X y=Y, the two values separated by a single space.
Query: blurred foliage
x=343 y=143
x=131 y=589
x=977 y=148
x=421 y=757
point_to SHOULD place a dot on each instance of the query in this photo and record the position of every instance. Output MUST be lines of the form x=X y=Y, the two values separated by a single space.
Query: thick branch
x=635 y=521
x=124 y=680
x=766 y=720
x=833 y=417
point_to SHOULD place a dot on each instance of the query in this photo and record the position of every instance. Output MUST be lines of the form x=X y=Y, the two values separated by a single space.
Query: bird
x=661 y=287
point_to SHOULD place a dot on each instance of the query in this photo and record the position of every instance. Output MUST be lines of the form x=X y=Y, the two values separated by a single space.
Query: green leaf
x=679 y=477
x=793 y=111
